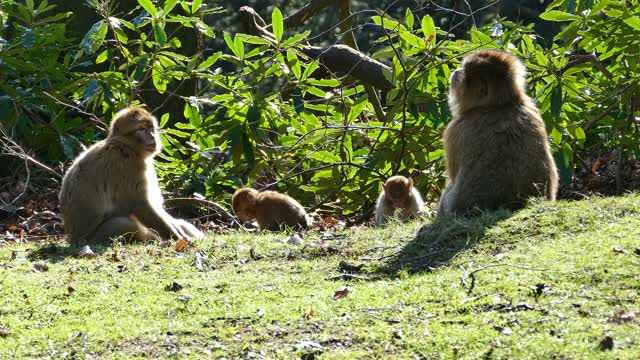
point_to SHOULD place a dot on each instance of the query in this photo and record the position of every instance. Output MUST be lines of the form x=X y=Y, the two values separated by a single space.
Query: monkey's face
x=243 y=203
x=146 y=134
x=138 y=129
x=398 y=192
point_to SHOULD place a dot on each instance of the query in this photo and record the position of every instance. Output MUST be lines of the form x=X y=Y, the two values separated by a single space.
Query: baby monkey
x=272 y=210
x=398 y=193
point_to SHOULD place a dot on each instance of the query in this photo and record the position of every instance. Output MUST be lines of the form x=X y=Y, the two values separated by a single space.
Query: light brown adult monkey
x=496 y=147
x=398 y=193
x=111 y=189
x=272 y=210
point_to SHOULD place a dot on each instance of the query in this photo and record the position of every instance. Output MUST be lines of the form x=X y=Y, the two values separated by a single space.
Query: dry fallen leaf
x=71 y=289
x=181 y=245
x=308 y=313
x=596 y=165
x=342 y=292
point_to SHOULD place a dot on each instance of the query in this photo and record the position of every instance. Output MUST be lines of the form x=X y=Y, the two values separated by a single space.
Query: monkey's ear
x=410 y=186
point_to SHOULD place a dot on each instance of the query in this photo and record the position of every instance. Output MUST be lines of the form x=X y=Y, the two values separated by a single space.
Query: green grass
x=548 y=281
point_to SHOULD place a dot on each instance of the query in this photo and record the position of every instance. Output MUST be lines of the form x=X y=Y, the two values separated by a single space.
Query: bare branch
x=11 y=148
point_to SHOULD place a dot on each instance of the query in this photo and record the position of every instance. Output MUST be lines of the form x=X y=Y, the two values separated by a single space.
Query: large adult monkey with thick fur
x=496 y=146
x=111 y=189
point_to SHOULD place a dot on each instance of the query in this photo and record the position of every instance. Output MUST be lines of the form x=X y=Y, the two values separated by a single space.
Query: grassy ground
x=557 y=280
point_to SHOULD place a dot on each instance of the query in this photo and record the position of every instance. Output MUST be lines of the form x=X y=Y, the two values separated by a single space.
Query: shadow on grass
x=439 y=242
x=59 y=251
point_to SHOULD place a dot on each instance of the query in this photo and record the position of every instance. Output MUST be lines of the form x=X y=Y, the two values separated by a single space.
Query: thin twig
x=11 y=148
x=473 y=273
x=345 y=276
x=91 y=116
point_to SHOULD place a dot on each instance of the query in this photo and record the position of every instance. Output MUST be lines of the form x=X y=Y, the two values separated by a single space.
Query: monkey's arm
x=159 y=220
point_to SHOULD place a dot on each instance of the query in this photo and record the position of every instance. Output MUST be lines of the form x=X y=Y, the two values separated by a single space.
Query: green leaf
x=141 y=69
x=236 y=142
x=161 y=36
x=633 y=21
x=311 y=67
x=428 y=28
x=178 y=133
x=94 y=38
x=159 y=77
x=28 y=39
x=191 y=112
x=169 y=5
x=356 y=110
x=208 y=62
x=408 y=18
x=296 y=96
x=325 y=156
x=580 y=135
x=247 y=148
x=294 y=63
x=556 y=100
x=239 y=44
x=388 y=23
x=556 y=135
x=148 y=6
x=102 y=57
x=555 y=15
x=164 y=119
x=235 y=47
x=91 y=89
x=66 y=147
x=253 y=117
x=277 y=24
x=413 y=40
x=195 y=6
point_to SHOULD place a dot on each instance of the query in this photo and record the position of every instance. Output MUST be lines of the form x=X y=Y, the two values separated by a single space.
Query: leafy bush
x=267 y=115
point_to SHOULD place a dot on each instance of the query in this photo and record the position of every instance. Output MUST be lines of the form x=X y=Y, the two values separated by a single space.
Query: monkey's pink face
x=147 y=136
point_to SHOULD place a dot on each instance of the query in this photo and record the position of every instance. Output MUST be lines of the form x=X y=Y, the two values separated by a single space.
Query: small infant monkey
x=398 y=193
x=272 y=210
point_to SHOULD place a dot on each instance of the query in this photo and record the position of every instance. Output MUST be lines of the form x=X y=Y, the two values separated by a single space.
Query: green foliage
x=266 y=115
x=33 y=56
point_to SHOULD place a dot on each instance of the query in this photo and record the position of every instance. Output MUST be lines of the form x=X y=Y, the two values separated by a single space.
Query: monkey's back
x=503 y=158
x=275 y=210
